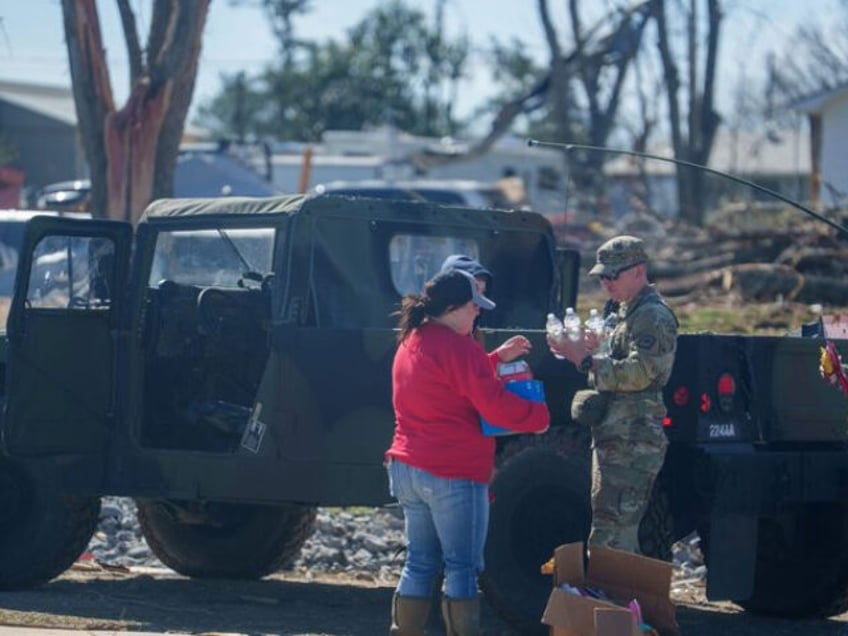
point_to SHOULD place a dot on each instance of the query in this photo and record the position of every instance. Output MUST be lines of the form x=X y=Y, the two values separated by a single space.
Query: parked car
x=71 y=196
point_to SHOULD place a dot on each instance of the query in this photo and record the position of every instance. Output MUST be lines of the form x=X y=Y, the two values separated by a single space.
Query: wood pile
x=806 y=263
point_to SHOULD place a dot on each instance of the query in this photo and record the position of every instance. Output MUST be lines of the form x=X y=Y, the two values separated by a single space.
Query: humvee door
x=63 y=338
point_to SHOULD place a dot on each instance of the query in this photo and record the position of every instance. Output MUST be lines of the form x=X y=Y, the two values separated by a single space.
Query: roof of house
x=56 y=102
x=817 y=102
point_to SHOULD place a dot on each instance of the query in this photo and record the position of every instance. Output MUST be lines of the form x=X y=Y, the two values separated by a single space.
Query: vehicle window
x=212 y=257
x=414 y=259
x=71 y=272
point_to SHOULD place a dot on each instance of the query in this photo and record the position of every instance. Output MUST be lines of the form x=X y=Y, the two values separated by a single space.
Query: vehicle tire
x=656 y=530
x=41 y=532
x=218 y=540
x=802 y=563
x=541 y=499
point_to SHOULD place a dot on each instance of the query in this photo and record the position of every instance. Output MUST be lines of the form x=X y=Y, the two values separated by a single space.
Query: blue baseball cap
x=466 y=264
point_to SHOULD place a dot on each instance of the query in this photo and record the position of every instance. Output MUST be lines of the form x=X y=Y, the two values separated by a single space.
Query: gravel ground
x=341 y=586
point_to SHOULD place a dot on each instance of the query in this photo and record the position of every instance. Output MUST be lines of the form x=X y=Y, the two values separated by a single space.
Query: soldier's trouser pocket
x=624 y=467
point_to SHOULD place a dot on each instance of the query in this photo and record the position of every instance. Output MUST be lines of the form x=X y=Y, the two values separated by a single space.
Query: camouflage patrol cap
x=618 y=254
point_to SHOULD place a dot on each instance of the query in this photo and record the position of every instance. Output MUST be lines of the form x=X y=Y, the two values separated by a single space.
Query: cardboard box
x=623 y=577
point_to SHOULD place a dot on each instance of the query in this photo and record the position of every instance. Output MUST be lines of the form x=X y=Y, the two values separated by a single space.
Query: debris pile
x=805 y=262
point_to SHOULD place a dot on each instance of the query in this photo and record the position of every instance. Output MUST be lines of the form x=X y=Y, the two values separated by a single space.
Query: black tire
x=41 y=532
x=802 y=563
x=216 y=540
x=656 y=530
x=541 y=499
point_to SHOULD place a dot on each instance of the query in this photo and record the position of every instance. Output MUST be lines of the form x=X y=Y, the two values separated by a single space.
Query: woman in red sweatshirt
x=440 y=463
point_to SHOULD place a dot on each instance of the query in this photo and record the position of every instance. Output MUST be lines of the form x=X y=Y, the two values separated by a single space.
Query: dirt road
x=288 y=604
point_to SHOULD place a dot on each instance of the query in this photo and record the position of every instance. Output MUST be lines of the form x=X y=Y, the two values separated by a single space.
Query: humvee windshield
x=212 y=257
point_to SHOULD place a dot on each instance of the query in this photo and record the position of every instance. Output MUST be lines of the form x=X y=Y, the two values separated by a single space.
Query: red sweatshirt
x=442 y=382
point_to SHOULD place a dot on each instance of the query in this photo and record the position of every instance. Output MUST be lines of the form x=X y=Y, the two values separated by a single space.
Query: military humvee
x=227 y=365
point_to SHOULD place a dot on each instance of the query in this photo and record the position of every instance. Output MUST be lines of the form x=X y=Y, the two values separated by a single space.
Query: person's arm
x=490 y=397
x=510 y=350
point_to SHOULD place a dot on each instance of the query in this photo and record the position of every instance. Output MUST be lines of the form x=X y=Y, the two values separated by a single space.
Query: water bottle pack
x=572 y=327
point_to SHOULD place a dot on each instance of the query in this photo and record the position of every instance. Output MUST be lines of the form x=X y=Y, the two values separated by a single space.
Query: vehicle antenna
x=568 y=147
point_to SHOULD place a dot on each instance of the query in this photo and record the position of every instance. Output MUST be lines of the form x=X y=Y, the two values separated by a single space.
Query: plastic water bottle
x=554 y=329
x=608 y=325
x=571 y=324
x=595 y=324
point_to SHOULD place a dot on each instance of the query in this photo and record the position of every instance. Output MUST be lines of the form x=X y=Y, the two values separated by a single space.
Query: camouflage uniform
x=628 y=444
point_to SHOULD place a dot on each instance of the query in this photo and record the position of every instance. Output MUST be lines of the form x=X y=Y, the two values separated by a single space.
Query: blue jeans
x=446 y=524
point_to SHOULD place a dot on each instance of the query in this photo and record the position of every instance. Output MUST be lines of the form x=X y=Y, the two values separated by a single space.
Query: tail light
x=726 y=389
x=680 y=396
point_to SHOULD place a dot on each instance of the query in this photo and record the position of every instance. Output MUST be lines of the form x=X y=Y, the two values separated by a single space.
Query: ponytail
x=412 y=313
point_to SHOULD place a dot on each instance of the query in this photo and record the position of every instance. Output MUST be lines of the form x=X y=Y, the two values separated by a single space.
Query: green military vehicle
x=227 y=365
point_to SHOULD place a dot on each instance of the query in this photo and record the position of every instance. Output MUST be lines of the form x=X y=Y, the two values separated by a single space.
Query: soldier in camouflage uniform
x=628 y=443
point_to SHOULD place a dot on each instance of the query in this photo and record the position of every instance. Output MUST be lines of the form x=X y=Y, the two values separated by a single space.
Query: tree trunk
x=696 y=144
x=132 y=152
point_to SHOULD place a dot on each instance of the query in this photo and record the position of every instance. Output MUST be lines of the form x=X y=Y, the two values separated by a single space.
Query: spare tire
x=541 y=499
x=656 y=530
x=41 y=532
x=223 y=540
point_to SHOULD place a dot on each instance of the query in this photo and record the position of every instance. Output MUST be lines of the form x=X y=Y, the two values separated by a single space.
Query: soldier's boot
x=409 y=615
x=462 y=616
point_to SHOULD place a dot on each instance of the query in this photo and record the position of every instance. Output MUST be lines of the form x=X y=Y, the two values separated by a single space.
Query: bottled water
x=554 y=329
x=608 y=326
x=571 y=324
x=595 y=324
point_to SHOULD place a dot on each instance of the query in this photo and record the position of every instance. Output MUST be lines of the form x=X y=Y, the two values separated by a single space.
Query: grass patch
x=748 y=318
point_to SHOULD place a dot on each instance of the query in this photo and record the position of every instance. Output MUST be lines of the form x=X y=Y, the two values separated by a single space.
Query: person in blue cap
x=470 y=265
x=514 y=347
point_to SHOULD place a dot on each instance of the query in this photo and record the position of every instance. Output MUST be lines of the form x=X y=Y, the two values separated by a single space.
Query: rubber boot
x=409 y=616
x=462 y=616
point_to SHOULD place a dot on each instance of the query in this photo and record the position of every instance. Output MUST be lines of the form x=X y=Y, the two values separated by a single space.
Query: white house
x=827 y=112
x=778 y=160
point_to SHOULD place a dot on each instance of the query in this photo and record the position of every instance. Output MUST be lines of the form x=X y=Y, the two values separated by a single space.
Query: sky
x=237 y=39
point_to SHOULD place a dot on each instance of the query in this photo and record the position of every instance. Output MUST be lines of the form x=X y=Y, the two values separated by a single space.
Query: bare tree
x=132 y=151
x=584 y=79
x=695 y=123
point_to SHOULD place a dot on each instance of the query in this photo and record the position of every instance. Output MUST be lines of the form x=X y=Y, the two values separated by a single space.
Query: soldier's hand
x=592 y=340
x=573 y=350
